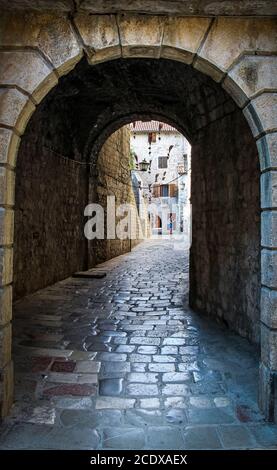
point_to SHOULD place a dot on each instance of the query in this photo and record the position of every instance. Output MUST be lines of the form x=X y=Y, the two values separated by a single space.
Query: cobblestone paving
x=122 y=363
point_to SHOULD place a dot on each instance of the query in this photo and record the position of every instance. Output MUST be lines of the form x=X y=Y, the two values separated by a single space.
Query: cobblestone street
x=121 y=362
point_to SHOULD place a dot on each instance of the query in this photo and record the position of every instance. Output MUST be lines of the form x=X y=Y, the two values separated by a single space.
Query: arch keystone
x=99 y=34
x=141 y=36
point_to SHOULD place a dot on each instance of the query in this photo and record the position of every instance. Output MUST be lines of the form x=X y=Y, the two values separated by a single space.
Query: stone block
x=269 y=268
x=6 y=389
x=269 y=189
x=9 y=143
x=44 y=87
x=114 y=403
x=253 y=119
x=228 y=38
x=269 y=229
x=139 y=389
x=71 y=389
x=139 y=377
x=182 y=37
x=110 y=387
x=5 y=305
x=27 y=70
x=255 y=73
x=123 y=438
x=265 y=435
x=6 y=226
x=15 y=109
x=5 y=344
x=6 y=266
x=141 y=36
x=100 y=36
x=165 y=437
x=210 y=415
x=208 y=69
x=236 y=436
x=173 y=7
x=267 y=392
x=176 y=377
x=52 y=33
x=175 y=390
x=235 y=91
x=269 y=347
x=149 y=403
x=267 y=148
x=201 y=437
x=7 y=182
x=269 y=307
x=261 y=113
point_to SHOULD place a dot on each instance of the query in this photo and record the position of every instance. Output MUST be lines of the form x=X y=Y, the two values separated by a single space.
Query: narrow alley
x=121 y=362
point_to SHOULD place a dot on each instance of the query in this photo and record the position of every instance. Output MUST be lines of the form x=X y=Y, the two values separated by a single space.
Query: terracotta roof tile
x=151 y=126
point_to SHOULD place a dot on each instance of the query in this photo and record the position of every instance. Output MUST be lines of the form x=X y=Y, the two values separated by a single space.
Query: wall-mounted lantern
x=143 y=165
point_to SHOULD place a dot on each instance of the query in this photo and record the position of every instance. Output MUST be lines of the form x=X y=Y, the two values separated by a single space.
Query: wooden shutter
x=156 y=190
x=172 y=190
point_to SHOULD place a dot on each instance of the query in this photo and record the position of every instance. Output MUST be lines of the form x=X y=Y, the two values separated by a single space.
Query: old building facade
x=216 y=84
x=166 y=180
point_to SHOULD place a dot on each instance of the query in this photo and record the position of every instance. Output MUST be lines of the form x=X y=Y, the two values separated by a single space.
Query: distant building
x=165 y=153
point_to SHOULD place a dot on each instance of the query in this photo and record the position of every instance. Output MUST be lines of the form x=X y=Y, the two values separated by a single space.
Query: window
x=152 y=137
x=185 y=163
x=164 y=190
x=162 y=162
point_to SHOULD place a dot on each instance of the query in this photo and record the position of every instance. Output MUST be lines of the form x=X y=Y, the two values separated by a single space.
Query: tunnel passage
x=82 y=111
x=53 y=190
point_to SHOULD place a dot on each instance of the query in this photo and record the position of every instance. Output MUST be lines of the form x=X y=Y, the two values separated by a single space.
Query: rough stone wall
x=178 y=7
x=51 y=194
x=113 y=179
x=225 y=257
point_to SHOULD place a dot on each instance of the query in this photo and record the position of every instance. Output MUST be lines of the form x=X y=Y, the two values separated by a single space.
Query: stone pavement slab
x=122 y=362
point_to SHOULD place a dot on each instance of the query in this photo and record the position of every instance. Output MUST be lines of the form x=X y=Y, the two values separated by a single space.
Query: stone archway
x=238 y=53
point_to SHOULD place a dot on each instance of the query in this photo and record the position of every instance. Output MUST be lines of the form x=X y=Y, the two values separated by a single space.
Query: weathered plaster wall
x=225 y=258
